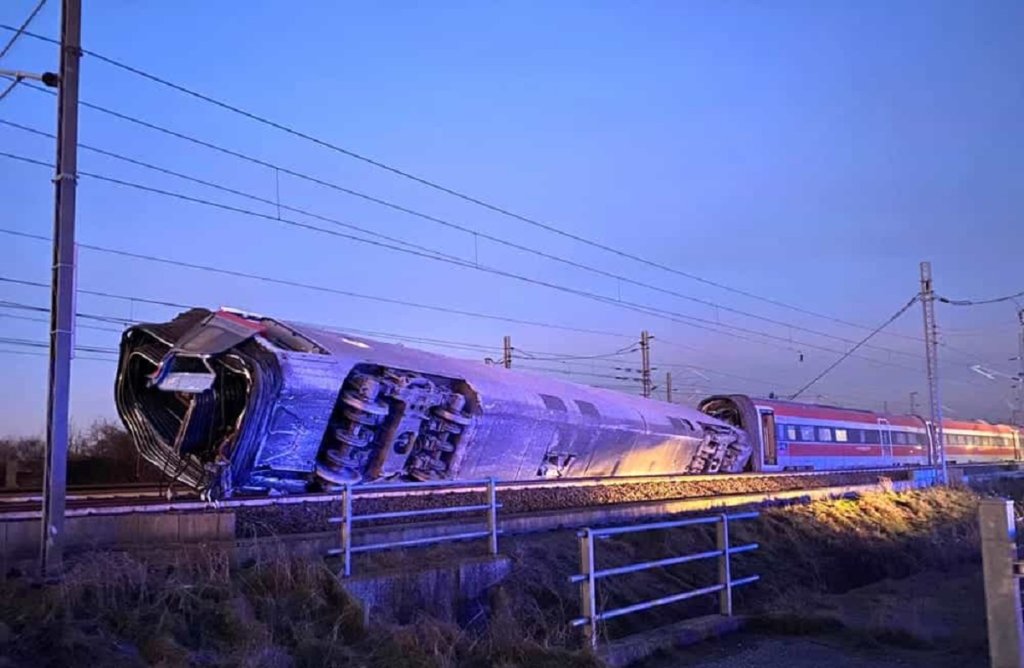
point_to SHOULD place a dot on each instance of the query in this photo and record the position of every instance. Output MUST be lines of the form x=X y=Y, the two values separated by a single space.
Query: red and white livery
x=794 y=436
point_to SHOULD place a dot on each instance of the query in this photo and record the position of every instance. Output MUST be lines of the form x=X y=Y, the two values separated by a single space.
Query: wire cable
x=431 y=184
x=21 y=30
x=461 y=228
x=424 y=252
x=981 y=302
x=839 y=361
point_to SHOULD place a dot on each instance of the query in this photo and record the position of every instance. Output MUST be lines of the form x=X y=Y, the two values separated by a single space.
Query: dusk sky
x=809 y=153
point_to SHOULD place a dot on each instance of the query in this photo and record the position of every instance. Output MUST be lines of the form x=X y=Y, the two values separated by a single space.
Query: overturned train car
x=229 y=402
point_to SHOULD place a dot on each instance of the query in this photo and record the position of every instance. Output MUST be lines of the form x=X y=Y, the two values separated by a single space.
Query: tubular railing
x=348 y=518
x=591 y=574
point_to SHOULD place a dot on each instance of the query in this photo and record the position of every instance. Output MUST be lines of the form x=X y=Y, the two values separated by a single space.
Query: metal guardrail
x=348 y=518
x=590 y=575
x=1002 y=570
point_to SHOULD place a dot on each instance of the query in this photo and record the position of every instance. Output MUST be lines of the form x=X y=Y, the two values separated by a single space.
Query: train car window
x=841 y=436
x=791 y=432
x=872 y=436
x=824 y=434
x=806 y=433
x=553 y=403
x=588 y=408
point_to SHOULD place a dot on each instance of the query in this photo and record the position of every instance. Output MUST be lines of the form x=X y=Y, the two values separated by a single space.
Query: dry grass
x=281 y=611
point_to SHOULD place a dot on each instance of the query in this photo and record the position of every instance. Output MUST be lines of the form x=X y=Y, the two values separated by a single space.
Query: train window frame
x=587 y=408
x=825 y=434
x=806 y=433
x=842 y=435
x=553 y=403
x=899 y=438
x=792 y=434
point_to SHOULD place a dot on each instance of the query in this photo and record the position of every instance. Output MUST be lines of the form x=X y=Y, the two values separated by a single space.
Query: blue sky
x=808 y=152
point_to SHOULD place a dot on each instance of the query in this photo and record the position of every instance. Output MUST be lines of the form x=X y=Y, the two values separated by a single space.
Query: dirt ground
x=934 y=619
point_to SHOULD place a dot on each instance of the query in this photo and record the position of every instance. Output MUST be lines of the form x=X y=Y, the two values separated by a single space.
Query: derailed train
x=230 y=402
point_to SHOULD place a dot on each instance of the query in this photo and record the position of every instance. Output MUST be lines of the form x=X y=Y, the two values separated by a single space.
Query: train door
x=885 y=438
x=769 y=443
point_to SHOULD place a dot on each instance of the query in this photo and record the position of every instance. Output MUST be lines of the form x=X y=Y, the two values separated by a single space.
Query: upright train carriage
x=791 y=436
x=227 y=401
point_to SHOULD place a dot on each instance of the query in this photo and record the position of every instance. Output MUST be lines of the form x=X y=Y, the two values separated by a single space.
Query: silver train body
x=229 y=402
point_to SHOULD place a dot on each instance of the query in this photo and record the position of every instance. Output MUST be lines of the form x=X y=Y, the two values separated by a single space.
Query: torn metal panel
x=230 y=401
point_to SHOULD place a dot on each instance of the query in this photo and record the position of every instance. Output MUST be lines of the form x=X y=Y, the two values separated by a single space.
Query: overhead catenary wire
x=446 y=343
x=441 y=188
x=427 y=253
x=31 y=343
x=476 y=234
x=316 y=288
x=21 y=30
x=981 y=302
x=38 y=353
x=839 y=361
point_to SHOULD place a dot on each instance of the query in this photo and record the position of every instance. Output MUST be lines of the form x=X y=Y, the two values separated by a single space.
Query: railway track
x=516 y=496
x=140 y=518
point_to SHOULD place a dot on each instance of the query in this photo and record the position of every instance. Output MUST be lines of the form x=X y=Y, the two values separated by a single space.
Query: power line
x=980 y=302
x=28 y=318
x=289 y=283
x=446 y=343
x=216 y=186
x=459 y=227
x=11 y=86
x=888 y=322
x=421 y=251
x=577 y=373
x=431 y=184
x=34 y=353
x=18 y=32
x=556 y=357
x=43 y=344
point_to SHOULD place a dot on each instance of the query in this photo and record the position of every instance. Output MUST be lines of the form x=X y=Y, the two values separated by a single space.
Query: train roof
x=828 y=411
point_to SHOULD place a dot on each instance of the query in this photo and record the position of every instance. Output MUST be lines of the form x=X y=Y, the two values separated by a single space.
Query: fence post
x=588 y=588
x=1002 y=591
x=724 y=570
x=346 y=530
x=492 y=514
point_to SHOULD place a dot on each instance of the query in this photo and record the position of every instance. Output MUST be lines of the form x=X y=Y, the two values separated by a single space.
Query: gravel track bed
x=313 y=516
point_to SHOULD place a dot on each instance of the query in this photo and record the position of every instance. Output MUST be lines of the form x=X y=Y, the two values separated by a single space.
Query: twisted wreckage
x=229 y=402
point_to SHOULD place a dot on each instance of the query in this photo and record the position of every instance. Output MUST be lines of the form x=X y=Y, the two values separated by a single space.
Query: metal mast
x=645 y=361
x=931 y=343
x=62 y=300
x=506 y=352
